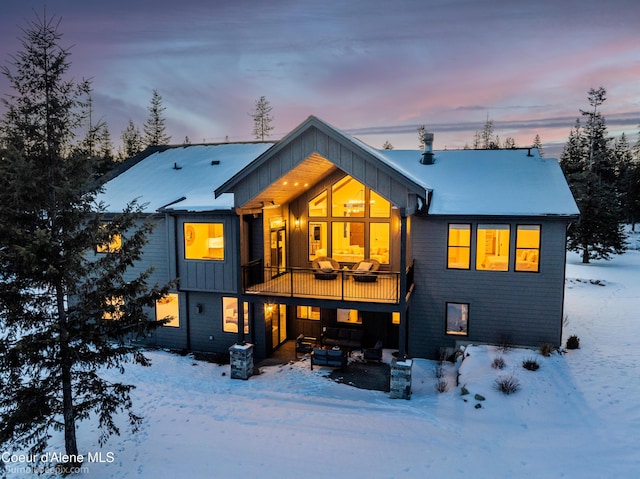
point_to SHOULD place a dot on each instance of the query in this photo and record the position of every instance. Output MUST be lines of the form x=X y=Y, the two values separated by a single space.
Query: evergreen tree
x=588 y=163
x=537 y=143
x=154 y=128
x=387 y=146
x=55 y=297
x=509 y=143
x=628 y=180
x=262 y=119
x=132 y=143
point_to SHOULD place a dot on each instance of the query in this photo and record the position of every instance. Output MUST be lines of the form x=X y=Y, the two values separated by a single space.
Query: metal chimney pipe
x=427 y=155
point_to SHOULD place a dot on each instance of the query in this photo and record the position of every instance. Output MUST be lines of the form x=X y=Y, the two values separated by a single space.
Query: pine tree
x=509 y=143
x=387 y=145
x=262 y=119
x=588 y=163
x=132 y=143
x=154 y=128
x=537 y=143
x=54 y=295
x=628 y=180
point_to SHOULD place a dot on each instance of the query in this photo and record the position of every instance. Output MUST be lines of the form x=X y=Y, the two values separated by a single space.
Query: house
x=421 y=250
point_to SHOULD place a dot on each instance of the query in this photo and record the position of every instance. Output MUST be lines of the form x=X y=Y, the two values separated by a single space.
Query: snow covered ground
x=576 y=417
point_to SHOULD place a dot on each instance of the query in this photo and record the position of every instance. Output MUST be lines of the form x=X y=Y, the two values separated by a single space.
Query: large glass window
x=204 y=241
x=318 y=206
x=347 y=198
x=492 y=251
x=459 y=246
x=347 y=239
x=378 y=206
x=230 y=315
x=528 y=248
x=317 y=239
x=169 y=307
x=308 y=312
x=349 y=316
x=458 y=319
x=379 y=242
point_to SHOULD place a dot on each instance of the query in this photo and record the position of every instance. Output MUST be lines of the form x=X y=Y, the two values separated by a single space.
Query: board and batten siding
x=525 y=307
x=209 y=275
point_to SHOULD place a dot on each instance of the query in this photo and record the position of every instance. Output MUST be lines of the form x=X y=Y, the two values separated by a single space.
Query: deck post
x=402 y=300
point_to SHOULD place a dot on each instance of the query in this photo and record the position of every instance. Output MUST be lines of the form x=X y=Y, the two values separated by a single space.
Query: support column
x=400 y=386
x=241 y=359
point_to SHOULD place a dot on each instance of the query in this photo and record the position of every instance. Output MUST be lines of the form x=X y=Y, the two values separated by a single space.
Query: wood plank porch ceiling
x=293 y=183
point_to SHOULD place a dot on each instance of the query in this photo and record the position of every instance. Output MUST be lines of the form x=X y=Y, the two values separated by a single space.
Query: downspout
x=404 y=327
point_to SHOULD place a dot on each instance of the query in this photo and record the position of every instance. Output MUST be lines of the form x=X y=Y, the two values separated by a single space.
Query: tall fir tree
x=537 y=143
x=155 y=130
x=55 y=294
x=262 y=119
x=588 y=163
x=132 y=142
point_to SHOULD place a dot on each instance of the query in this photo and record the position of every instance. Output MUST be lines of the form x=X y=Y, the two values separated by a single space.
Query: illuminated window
x=459 y=246
x=379 y=242
x=458 y=319
x=317 y=239
x=378 y=206
x=113 y=308
x=528 y=248
x=318 y=206
x=395 y=317
x=169 y=307
x=347 y=198
x=308 y=312
x=113 y=246
x=493 y=247
x=347 y=241
x=204 y=241
x=349 y=316
x=230 y=315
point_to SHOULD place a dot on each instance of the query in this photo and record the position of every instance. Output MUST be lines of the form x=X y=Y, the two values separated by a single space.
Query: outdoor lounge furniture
x=365 y=271
x=346 y=338
x=304 y=344
x=334 y=358
x=325 y=268
x=374 y=353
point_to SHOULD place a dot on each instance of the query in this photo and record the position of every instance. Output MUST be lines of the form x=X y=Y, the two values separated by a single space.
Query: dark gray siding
x=526 y=307
x=205 y=325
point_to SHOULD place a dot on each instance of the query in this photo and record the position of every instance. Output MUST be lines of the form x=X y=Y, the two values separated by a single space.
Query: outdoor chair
x=325 y=268
x=365 y=271
x=374 y=353
x=304 y=345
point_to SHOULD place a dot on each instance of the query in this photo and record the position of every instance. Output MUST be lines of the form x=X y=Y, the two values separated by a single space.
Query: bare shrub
x=442 y=386
x=505 y=343
x=531 y=364
x=573 y=342
x=546 y=349
x=507 y=384
x=498 y=363
x=438 y=371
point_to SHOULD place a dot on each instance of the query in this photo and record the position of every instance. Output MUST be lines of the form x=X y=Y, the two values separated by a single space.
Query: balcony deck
x=302 y=283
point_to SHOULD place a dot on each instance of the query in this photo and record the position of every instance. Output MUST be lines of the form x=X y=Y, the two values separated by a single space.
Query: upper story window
x=378 y=206
x=347 y=198
x=492 y=252
x=204 y=241
x=528 y=248
x=459 y=246
x=169 y=307
x=318 y=206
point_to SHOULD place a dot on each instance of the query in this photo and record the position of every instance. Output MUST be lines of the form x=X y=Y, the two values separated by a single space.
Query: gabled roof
x=181 y=178
x=489 y=182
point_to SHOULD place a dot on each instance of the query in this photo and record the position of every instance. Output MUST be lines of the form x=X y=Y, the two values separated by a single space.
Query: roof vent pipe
x=427 y=155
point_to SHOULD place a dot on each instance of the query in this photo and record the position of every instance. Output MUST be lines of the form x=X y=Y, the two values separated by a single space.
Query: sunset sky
x=375 y=69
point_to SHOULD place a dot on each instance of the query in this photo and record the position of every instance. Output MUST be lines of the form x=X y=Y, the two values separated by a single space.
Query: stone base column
x=241 y=356
x=401 y=379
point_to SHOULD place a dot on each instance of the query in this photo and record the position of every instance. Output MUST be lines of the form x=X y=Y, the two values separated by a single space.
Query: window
x=113 y=308
x=493 y=247
x=395 y=317
x=528 y=248
x=230 y=315
x=458 y=319
x=347 y=198
x=204 y=241
x=168 y=307
x=459 y=246
x=318 y=206
x=379 y=242
x=378 y=206
x=349 y=316
x=317 y=239
x=113 y=246
x=347 y=241
x=308 y=312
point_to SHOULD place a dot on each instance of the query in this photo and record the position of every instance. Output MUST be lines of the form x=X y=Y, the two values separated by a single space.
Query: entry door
x=278 y=252
x=278 y=325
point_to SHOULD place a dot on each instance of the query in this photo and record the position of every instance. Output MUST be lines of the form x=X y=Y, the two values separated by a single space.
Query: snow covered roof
x=181 y=178
x=488 y=182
